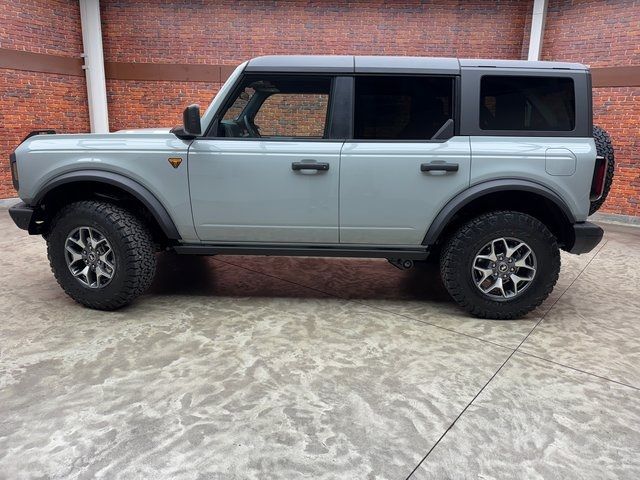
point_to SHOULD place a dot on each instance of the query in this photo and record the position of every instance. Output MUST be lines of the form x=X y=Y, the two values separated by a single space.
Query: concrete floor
x=254 y=367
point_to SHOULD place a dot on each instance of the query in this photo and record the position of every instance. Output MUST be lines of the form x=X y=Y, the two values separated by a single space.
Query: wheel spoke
x=486 y=273
x=503 y=268
x=101 y=273
x=512 y=250
x=106 y=261
x=84 y=235
x=517 y=278
x=505 y=245
x=78 y=241
x=495 y=285
x=92 y=241
x=75 y=256
x=522 y=261
x=492 y=255
x=526 y=275
x=84 y=272
x=89 y=257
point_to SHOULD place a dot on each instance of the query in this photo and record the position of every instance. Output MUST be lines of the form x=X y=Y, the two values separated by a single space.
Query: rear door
x=404 y=162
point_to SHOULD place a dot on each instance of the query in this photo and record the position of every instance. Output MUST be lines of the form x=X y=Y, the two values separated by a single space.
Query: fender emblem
x=175 y=161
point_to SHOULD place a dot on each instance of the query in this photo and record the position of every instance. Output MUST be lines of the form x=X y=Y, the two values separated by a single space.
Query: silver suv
x=488 y=166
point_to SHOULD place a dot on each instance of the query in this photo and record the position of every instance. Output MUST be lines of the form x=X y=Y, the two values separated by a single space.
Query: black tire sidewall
x=81 y=217
x=538 y=238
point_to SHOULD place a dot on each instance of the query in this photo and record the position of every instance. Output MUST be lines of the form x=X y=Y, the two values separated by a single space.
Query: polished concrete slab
x=536 y=419
x=264 y=367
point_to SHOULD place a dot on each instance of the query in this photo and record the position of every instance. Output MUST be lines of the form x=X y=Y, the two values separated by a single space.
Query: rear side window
x=527 y=103
x=401 y=108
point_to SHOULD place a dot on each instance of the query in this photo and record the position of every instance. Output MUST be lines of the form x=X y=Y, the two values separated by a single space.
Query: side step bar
x=305 y=251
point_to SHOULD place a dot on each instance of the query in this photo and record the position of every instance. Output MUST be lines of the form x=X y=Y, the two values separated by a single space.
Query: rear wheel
x=101 y=255
x=500 y=265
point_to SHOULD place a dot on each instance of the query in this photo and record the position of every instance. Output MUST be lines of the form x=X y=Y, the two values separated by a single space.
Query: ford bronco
x=488 y=166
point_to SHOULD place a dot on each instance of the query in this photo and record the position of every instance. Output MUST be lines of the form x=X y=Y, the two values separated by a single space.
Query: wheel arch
x=103 y=183
x=525 y=196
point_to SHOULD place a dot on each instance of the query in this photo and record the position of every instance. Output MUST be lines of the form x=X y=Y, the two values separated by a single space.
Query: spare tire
x=604 y=148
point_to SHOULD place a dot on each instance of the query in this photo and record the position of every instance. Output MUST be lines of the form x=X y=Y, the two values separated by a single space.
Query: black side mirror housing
x=191 y=120
x=190 y=127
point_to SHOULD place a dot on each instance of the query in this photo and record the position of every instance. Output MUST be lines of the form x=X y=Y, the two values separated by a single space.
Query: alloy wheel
x=90 y=258
x=504 y=268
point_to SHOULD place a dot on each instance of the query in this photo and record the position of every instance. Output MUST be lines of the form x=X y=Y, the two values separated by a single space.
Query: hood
x=157 y=130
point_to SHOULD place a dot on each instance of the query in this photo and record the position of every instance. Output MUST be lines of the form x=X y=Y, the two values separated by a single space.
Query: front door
x=267 y=173
x=404 y=162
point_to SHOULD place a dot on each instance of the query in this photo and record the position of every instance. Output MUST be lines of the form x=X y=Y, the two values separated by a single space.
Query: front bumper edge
x=21 y=214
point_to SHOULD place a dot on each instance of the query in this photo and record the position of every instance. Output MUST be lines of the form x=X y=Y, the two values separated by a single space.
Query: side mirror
x=190 y=127
x=191 y=120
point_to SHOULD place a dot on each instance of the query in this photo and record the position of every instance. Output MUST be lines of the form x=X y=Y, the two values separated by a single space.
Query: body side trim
x=130 y=186
x=481 y=189
x=298 y=250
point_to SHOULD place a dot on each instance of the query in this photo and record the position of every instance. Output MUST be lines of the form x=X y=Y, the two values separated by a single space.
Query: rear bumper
x=586 y=236
x=21 y=215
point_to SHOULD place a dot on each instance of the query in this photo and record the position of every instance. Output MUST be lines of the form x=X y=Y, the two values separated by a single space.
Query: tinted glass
x=401 y=108
x=278 y=106
x=527 y=103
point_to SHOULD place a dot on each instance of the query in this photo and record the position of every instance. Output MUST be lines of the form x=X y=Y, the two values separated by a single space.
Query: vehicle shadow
x=303 y=277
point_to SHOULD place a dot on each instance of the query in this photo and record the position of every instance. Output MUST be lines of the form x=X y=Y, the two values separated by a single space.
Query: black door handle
x=439 y=167
x=321 y=166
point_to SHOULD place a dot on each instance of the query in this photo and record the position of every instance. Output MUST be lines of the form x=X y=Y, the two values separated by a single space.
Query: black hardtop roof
x=391 y=64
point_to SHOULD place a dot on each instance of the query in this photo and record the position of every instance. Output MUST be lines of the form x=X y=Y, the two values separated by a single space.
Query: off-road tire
x=461 y=248
x=130 y=240
x=604 y=148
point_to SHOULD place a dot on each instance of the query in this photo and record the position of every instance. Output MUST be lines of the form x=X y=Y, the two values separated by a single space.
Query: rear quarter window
x=521 y=103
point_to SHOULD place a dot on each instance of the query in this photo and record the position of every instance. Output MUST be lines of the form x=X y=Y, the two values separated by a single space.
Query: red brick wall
x=141 y=104
x=41 y=26
x=597 y=32
x=605 y=34
x=31 y=100
x=231 y=31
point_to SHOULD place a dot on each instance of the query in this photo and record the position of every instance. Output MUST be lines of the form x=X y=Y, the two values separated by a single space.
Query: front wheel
x=101 y=255
x=500 y=265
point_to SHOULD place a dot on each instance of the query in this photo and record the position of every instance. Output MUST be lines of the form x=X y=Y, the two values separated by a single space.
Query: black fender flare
x=481 y=189
x=130 y=186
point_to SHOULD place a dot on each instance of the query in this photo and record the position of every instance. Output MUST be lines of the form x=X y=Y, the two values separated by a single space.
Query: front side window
x=527 y=103
x=293 y=115
x=278 y=107
x=401 y=108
